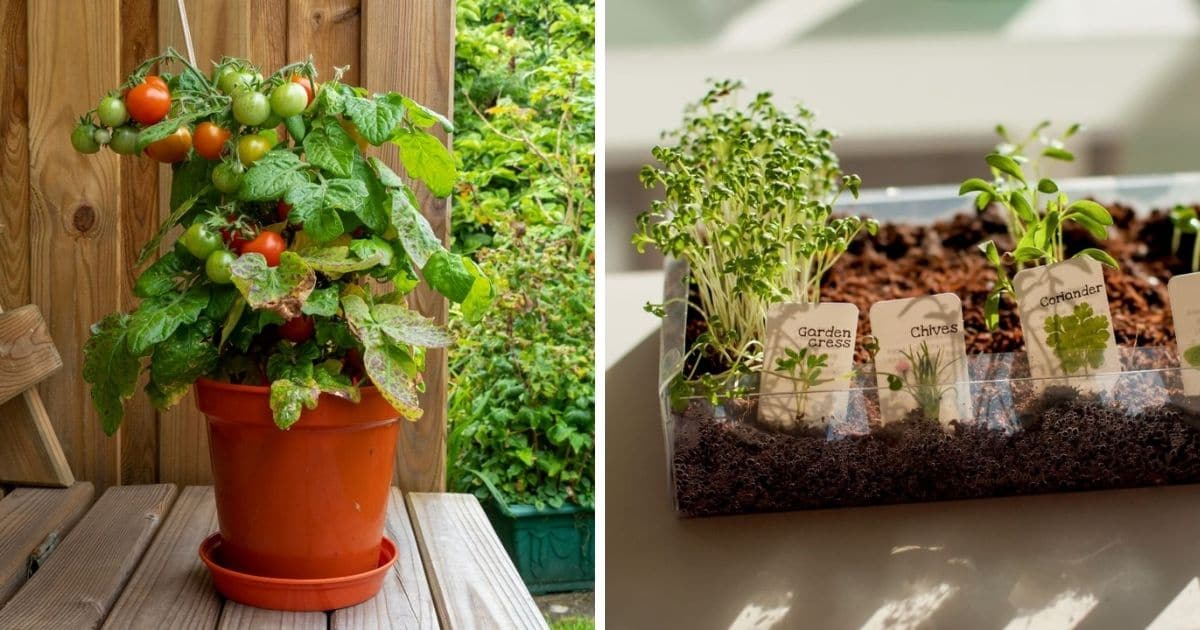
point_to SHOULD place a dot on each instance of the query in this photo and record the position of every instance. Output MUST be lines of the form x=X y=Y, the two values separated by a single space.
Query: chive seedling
x=749 y=196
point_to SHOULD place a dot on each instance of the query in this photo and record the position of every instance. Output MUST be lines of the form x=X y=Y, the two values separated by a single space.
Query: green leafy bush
x=522 y=409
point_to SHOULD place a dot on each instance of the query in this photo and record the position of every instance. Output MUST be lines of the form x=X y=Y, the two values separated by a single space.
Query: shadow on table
x=1112 y=559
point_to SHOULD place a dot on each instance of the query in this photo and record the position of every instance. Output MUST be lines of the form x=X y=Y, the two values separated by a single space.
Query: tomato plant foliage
x=522 y=408
x=281 y=303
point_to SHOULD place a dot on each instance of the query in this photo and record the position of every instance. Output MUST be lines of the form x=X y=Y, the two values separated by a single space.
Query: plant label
x=1184 y=292
x=808 y=361
x=1066 y=323
x=921 y=362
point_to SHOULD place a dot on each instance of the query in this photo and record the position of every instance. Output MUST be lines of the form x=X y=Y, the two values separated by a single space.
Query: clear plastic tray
x=1085 y=432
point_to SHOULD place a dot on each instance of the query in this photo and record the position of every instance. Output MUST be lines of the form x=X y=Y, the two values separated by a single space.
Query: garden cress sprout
x=749 y=195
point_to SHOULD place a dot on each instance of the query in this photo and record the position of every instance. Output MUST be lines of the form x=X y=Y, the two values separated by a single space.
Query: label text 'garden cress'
x=921 y=359
x=808 y=357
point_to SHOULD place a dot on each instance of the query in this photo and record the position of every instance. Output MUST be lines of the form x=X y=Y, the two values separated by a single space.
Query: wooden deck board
x=239 y=617
x=82 y=579
x=475 y=584
x=171 y=587
x=30 y=517
x=406 y=600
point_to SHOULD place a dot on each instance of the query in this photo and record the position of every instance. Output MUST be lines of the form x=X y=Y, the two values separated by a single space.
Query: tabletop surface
x=129 y=560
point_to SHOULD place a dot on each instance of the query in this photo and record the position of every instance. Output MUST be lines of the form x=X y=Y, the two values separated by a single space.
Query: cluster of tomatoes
x=122 y=116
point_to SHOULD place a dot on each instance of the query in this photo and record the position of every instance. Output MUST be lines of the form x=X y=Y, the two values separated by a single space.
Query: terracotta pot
x=309 y=502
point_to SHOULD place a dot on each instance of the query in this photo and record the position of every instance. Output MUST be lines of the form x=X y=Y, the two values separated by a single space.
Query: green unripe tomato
x=112 y=112
x=251 y=108
x=218 y=266
x=289 y=99
x=231 y=80
x=200 y=241
x=83 y=140
x=227 y=178
x=124 y=140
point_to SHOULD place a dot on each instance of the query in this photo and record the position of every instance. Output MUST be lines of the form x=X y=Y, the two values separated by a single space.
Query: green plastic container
x=554 y=549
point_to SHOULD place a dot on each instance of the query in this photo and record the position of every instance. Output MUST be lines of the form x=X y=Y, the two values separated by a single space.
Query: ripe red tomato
x=149 y=101
x=306 y=84
x=210 y=140
x=352 y=365
x=297 y=329
x=173 y=148
x=282 y=209
x=269 y=244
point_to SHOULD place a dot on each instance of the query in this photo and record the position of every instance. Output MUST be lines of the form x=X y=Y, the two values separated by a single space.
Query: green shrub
x=522 y=406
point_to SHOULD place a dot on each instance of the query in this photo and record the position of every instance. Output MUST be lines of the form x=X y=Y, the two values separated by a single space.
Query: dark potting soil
x=1064 y=440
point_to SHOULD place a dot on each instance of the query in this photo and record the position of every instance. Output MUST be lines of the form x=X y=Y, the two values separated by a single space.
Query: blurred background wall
x=914 y=87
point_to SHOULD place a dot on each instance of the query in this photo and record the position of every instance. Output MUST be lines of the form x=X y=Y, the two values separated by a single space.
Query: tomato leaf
x=157 y=318
x=374 y=210
x=187 y=355
x=403 y=325
x=274 y=174
x=330 y=148
x=376 y=118
x=177 y=215
x=321 y=302
x=336 y=384
x=339 y=259
x=386 y=367
x=413 y=229
x=288 y=397
x=448 y=274
x=110 y=368
x=427 y=159
x=160 y=277
x=281 y=290
x=424 y=117
x=316 y=205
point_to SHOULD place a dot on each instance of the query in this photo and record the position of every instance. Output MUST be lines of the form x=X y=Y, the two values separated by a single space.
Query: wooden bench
x=129 y=561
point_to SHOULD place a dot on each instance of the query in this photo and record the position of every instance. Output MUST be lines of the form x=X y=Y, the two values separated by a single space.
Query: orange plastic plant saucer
x=299 y=595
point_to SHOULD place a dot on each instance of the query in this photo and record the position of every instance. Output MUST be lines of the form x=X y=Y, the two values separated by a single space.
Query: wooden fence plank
x=171 y=587
x=329 y=30
x=219 y=28
x=139 y=221
x=14 y=155
x=405 y=601
x=239 y=617
x=27 y=353
x=475 y=584
x=29 y=518
x=75 y=222
x=409 y=47
x=78 y=585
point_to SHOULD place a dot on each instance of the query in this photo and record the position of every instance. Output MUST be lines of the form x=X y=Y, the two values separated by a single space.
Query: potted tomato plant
x=270 y=301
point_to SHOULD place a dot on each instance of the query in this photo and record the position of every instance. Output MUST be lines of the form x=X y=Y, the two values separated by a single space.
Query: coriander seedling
x=1035 y=215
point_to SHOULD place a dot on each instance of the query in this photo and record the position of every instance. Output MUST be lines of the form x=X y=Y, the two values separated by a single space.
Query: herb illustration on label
x=1066 y=322
x=1078 y=339
x=922 y=374
x=808 y=357
x=920 y=358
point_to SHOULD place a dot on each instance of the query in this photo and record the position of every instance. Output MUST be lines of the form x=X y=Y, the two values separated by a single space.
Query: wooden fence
x=71 y=225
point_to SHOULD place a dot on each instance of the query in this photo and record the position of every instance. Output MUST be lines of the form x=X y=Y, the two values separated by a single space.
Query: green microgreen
x=748 y=204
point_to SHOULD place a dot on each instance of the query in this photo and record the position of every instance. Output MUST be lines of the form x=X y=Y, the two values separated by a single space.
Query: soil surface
x=1136 y=434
